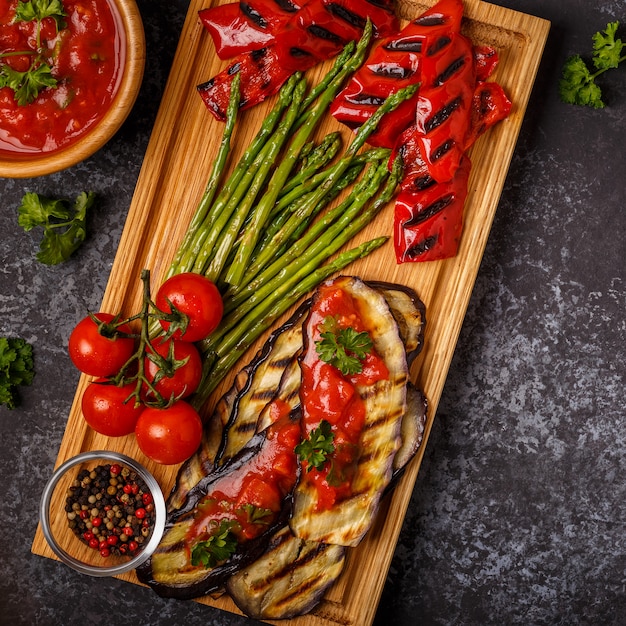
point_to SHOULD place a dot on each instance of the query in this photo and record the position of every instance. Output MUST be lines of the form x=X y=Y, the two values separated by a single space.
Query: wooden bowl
x=25 y=166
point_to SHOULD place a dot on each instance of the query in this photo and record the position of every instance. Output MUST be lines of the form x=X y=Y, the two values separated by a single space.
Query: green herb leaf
x=316 y=448
x=344 y=348
x=64 y=227
x=257 y=514
x=607 y=50
x=578 y=83
x=39 y=10
x=27 y=85
x=16 y=368
x=217 y=548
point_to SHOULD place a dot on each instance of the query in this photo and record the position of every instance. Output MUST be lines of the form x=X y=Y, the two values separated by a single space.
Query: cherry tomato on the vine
x=169 y=435
x=178 y=379
x=93 y=353
x=195 y=296
x=107 y=409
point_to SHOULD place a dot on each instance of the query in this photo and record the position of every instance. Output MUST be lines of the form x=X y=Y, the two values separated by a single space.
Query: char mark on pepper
x=299 y=53
x=441 y=150
x=421 y=247
x=439 y=45
x=288 y=7
x=346 y=15
x=450 y=71
x=436 y=19
x=443 y=114
x=422 y=183
x=365 y=98
x=391 y=70
x=232 y=70
x=323 y=33
x=253 y=15
x=406 y=44
x=429 y=211
x=260 y=59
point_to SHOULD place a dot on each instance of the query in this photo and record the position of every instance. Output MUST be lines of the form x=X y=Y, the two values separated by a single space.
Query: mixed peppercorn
x=110 y=509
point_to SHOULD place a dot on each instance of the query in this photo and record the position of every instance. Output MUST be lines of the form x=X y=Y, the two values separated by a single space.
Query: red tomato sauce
x=252 y=496
x=88 y=68
x=326 y=394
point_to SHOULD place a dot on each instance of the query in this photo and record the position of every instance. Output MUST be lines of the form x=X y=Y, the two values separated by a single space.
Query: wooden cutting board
x=173 y=176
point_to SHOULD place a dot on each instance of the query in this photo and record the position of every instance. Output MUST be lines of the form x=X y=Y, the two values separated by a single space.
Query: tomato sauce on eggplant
x=327 y=394
x=251 y=498
x=89 y=57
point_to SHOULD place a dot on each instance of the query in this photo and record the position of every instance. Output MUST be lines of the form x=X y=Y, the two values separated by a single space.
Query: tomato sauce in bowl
x=97 y=58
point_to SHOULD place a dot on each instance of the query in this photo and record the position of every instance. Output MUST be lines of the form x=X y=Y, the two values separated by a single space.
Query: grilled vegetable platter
x=285 y=513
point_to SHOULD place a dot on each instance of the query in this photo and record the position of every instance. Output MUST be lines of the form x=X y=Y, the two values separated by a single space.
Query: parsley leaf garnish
x=217 y=548
x=345 y=348
x=578 y=83
x=28 y=84
x=39 y=10
x=316 y=448
x=257 y=514
x=16 y=368
x=64 y=226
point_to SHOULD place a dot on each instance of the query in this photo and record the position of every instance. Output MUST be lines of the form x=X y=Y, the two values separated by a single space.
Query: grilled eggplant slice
x=412 y=430
x=410 y=315
x=350 y=514
x=289 y=579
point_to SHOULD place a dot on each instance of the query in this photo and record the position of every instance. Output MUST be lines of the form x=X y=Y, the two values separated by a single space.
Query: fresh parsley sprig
x=345 y=348
x=64 y=227
x=27 y=85
x=16 y=368
x=217 y=548
x=316 y=448
x=578 y=82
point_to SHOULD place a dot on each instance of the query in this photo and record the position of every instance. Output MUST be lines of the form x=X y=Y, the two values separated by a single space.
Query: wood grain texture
x=174 y=173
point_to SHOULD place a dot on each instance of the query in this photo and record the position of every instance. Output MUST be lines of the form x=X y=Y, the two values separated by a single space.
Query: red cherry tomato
x=105 y=408
x=195 y=296
x=174 y=382
x=170 y=435
x=93 y=353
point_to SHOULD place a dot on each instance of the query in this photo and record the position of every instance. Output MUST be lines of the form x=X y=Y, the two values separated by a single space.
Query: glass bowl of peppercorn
x=102 y=513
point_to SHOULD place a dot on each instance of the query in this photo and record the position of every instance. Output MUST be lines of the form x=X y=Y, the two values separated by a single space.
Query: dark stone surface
x=518 y=511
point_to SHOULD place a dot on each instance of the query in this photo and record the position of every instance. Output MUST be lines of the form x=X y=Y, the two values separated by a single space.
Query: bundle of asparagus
x=262 y=234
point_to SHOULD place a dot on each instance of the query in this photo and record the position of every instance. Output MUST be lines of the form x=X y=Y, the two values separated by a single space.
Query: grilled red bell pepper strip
x=232 y=31
x=490 y=105
x=262 y=74
x=241 y=27
x=418 y=54
x=271 y=15
x=485 y=61
x=428 y=216
x=428 y=223
x=317 y=32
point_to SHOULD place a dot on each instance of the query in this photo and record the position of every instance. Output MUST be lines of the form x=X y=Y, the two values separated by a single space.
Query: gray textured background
x=518 y=512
